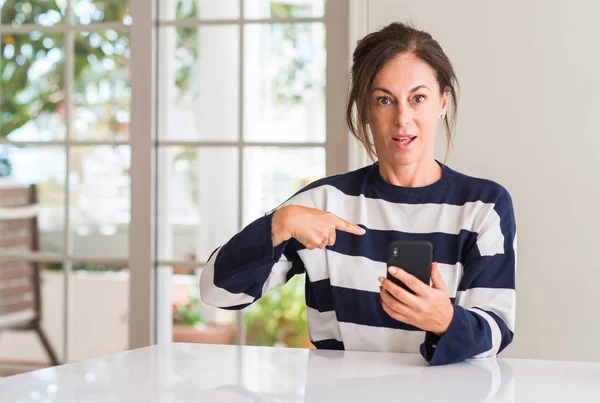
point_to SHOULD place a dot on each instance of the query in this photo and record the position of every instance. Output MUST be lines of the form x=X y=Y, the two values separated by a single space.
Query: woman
x=337 y=229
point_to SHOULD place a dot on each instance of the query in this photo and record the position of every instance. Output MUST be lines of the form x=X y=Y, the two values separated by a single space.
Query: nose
x=403 y=114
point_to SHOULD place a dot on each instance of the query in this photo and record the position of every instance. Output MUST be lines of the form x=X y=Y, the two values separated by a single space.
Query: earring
x=442 y=116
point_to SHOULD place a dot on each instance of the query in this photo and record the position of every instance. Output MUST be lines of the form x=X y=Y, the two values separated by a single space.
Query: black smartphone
x=414 y=257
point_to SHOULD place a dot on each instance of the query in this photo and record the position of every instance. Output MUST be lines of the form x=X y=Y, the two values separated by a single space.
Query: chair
x=20 y=296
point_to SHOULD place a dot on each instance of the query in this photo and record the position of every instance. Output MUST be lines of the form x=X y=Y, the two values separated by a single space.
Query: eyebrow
x=417 y=88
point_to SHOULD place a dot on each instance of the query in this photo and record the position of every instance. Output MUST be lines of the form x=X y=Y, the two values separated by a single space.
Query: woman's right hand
x=311 y=227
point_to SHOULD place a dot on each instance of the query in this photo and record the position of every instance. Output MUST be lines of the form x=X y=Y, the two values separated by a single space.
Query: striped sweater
x=469 y=221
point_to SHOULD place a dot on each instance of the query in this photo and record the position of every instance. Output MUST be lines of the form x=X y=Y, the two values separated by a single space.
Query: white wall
x=529 y=120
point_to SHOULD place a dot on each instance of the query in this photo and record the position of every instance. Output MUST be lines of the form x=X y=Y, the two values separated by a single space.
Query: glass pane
x=278 y=318
x=89 y=11
x=274 y=174
x=202 y=9
x=101 y=86
x=92 y=283
x=284 y=82
x=284 y=8
x=25 y=347
x=197 y=201
x=100 y=201
x=38 y=12
x=199 y=83
x=271 y=176
x=198 y=92
x=46 y=168
x=32 y=94
x=193 y=320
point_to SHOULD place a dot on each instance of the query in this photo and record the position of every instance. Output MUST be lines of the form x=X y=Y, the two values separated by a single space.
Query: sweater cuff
x=448 y=348
x=429 y=345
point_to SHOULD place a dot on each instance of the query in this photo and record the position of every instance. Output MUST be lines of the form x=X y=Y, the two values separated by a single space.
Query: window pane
x=274 y=174
x=278 y=318
x=101 y=86
x=193 y=320
x=32 y=87
x=284 y=8
x=46 y=168
x=284 y=82
x=271 y=176
x=39 y=12
x=89 y=11
x=199 y=83
x=100 y=201
x=202 y=9
x=25 y=347
x=197 y=201
x=92 y=283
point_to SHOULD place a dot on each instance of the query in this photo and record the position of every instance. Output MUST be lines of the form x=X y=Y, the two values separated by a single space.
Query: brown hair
x=373 y=52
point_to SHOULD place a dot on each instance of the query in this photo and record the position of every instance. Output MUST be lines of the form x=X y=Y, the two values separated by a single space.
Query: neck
x=418 y=174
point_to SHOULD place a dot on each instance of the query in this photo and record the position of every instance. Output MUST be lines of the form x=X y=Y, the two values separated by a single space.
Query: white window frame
x=358 y=17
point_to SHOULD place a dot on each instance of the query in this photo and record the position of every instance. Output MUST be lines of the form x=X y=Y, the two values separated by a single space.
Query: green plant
x=279 y=317
x=189 y=313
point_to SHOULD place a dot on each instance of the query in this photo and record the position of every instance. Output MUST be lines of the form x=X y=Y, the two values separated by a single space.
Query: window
x=241 y=108
x=154 y=131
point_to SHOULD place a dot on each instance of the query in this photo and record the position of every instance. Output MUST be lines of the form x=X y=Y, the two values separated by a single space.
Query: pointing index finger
x=346 y=226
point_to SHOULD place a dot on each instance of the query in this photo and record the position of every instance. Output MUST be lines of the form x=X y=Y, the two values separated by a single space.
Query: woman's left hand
x=429 y=309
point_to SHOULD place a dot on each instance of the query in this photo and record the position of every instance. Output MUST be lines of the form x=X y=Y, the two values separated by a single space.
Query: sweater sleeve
x=248 y=266
x=484 y=308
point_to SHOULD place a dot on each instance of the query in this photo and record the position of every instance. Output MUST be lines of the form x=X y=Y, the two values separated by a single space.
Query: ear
x=444 y=102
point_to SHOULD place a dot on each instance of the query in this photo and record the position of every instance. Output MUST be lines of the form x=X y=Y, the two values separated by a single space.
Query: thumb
x=436 y=278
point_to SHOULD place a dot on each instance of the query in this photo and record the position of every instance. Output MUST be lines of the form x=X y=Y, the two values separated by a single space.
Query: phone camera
x=395 y=252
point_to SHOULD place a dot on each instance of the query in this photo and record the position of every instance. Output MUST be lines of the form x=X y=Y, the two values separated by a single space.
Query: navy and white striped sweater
x=469 y=221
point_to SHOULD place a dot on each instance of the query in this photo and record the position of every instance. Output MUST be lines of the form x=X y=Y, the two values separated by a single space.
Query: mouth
x=403 y=141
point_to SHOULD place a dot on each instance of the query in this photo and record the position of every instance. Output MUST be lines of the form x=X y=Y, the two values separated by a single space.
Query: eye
x=419 y=98
x=384 y=101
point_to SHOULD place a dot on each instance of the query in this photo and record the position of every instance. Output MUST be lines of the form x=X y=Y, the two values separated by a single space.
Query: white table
x=207 y=373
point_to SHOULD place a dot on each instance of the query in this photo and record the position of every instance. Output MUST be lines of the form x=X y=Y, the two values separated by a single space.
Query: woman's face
x=404 y=109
